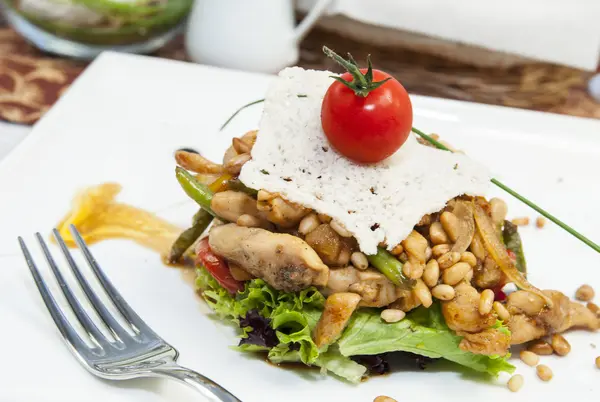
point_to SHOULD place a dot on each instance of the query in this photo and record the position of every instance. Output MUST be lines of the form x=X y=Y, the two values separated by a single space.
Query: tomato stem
x=361 y=83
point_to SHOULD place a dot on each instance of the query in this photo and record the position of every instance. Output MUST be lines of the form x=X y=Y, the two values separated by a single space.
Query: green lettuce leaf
x=329 y=361
x=295 y=315
x=423 y=332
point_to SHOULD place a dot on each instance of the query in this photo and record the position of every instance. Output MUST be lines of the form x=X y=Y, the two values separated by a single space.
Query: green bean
x=189 y=236
x=195 y=190
x=389 y=265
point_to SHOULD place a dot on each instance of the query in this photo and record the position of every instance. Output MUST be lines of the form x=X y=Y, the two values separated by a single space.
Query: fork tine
x=67 y=331
x=117 y=330
x=130 y=316
x=112 y=324
x=84 y=319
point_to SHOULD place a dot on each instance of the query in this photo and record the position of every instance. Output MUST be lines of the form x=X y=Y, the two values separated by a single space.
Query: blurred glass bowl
x=84 y=28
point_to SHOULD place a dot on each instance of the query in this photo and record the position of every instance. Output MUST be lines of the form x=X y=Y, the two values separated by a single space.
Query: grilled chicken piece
x=407 y=300
x=492 y=341
x=487 y=274
x=279 y=211
x=530 y=323
x=285 y=262
x=341 y=279
x=462 y=313
x=329 y=245
x=524 y=329
x=374 y=288
x=336 y=314
x=230 y=205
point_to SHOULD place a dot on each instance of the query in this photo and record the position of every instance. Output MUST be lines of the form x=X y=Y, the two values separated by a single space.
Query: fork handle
x=207 y=387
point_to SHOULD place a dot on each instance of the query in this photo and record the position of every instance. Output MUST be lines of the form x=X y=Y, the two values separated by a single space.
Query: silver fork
x=137 y=353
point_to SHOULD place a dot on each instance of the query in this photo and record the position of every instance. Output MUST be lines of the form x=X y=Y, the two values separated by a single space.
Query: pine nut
x=359 y=260
x=544 y=372
x=560 y=345
x=451 y=225
x=422 y=293
x=498 y=209
x=437 y=234
x=392 y=315
x=593 y=307
x=324 y=218
x=455 y=273
x=529 y=358
x=540 y=347
x=431 y=275
x=468 y=277
x=598 y=362
x=486 y=301
x=540 y=222
x=383 y=398
x=449 y=259
x=502 y=312
x=440 y=250
x=428 y=253
x=340 y=229
x=515 y=383
x=415 y=244
x=585 y=293
x=309 y=223
x=248 y=221
x=521 y=221
x=264 y=195
x=469 y=258
x=443 y=292
x=397 y=250
x=413 y=270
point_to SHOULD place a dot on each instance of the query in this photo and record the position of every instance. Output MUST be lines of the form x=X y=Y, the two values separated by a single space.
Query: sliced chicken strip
x=284 y=261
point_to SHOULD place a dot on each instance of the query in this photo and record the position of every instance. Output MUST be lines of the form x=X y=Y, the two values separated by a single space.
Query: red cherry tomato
x=367 y=129
x=217 y=267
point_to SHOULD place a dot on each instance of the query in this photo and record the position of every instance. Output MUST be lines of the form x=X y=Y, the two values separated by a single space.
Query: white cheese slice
x=381 y=202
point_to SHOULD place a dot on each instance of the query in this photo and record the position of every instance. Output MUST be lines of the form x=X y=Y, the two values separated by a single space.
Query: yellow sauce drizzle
x=98 y=216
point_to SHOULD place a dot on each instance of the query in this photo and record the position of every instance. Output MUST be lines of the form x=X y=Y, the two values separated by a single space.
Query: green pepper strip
x=389 y=265
x=185 y=240
x=195 y=190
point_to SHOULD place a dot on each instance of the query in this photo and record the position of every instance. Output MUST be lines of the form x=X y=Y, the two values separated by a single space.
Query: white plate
x=121 y=122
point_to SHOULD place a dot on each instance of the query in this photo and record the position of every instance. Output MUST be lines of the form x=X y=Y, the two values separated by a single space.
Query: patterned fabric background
x=31 y=81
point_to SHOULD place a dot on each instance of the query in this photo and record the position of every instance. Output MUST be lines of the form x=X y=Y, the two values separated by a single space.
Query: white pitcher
x=252 y=35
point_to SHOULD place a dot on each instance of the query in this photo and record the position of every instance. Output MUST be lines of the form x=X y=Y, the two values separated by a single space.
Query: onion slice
x=464 y=212
x=498 y=252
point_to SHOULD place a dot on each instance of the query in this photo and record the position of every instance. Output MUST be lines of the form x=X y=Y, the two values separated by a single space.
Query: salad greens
x=115 y=22
x=293 y=317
